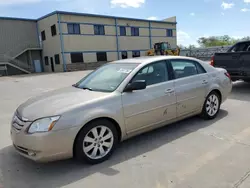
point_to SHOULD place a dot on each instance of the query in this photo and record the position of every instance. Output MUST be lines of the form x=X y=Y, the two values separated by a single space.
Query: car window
x=241 y=47
x=153 y=74
x=200 y=69
x=184 y=68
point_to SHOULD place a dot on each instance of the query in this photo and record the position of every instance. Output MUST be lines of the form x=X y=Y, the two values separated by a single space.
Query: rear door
x=245 y=60
x=191 y=85
x=229 y=61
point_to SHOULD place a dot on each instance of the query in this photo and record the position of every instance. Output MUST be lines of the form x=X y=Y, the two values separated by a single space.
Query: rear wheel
x=211 y=106
x=96 y=142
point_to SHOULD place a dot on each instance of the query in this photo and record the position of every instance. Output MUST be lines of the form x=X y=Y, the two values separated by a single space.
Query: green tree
x=219 y=41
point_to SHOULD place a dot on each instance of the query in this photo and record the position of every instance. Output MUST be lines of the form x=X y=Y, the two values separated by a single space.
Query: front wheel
x=211 y=106
x=96 y=142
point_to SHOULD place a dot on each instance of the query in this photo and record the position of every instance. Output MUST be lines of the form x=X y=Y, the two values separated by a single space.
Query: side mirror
x=136 y=85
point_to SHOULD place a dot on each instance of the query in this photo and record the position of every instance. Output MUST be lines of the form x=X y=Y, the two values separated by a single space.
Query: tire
x=208 y=110
x=96 y=142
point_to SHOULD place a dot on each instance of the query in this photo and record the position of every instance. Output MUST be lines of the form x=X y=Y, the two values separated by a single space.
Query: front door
x=191 y=85
x=38 y=67
x=154 y=105
x=52 y=64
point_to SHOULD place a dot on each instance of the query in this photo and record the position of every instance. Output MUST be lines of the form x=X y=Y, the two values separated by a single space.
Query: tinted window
x=200 y=69
x=107 y=78
x=136 y=54
x=74 y=28
x=46 y=60
x=153 y=74
x=99 y=30
x=124 y=55
x=53 y=30
x=57 y=59
x=135 y=31
x=43 y=35
x=101 y=56
x=76 y=58
x=241 y=47
x=122 y=30
x=184 y=68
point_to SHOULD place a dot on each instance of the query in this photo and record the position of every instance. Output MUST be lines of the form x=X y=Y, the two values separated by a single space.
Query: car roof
x=149 y=59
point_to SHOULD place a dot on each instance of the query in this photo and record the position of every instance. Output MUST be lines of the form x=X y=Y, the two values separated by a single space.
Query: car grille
x=18 y=123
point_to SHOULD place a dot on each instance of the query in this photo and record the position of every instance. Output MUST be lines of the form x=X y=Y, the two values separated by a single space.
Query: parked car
x=115 y=102
x=236 y=61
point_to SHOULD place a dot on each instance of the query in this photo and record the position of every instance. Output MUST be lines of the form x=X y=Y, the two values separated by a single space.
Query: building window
x=122 y=31
x=101 y=56
x=124 y=55
x=135 y=53
x=53 y=30
x=46 y=60
x=135 y=31
x=57 y=59
x=99 y=30
x=169 y=32
x=74 y=28
x=43 y=35
x=76 y=57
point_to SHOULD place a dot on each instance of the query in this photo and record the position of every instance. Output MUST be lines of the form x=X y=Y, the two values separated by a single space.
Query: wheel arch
x=218 y=92
x=117 y=126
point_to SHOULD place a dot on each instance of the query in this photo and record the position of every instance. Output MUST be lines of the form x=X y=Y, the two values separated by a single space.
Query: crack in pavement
x=242 y=179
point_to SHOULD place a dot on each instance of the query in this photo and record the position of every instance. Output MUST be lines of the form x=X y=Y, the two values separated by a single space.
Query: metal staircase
x=10 y=58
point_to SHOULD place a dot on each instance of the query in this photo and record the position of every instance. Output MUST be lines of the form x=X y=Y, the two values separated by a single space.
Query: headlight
x=43 y=125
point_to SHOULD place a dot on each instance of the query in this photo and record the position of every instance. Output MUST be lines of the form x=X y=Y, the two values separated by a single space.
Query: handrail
x=11 y=55
x=16 y=62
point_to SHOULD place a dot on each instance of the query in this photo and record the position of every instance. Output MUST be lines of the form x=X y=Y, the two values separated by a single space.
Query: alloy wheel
x=98 y=142
x=212 y=105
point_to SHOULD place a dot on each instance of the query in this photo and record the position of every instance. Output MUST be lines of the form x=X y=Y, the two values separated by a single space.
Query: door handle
x=169 y=91
x=204 y=82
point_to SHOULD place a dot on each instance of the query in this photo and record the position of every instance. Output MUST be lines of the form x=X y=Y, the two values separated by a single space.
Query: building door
x=52 y=64
x=37 y=65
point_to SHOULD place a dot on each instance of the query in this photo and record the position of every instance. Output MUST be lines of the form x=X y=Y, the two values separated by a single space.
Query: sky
x=195 y=18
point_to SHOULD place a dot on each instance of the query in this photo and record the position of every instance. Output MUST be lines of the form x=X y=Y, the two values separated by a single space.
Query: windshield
x=107 y=78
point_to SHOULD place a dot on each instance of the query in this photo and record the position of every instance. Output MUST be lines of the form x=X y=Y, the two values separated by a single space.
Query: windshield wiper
x=88 y=88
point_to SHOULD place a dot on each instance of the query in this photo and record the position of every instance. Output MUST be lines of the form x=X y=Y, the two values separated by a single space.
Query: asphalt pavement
x=189 y=154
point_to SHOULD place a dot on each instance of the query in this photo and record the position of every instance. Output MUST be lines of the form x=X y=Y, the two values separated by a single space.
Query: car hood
x=56 y=102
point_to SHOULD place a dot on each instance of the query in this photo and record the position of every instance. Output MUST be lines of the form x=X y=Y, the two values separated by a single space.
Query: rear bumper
x=234 y=78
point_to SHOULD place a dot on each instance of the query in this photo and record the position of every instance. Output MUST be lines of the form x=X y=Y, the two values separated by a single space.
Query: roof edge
x=47 y=15
x=14 y=18
x=105 y=16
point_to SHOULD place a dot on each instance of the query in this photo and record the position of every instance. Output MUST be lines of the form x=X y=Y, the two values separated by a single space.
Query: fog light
x=31 y=153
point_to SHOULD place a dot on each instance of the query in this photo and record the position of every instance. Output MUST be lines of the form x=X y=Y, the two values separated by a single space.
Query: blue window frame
x=135 y=31
x=169 y=32
x=74 y=28
x=99 y=30
x=122 y=31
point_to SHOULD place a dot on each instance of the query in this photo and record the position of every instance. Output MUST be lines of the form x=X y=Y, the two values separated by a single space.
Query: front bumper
x=44 y=147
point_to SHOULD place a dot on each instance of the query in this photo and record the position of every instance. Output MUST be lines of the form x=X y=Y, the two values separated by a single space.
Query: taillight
x=227 y=75
x=212 y=61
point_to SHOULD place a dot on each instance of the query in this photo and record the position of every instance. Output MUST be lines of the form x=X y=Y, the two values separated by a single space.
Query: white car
x=118 y=100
